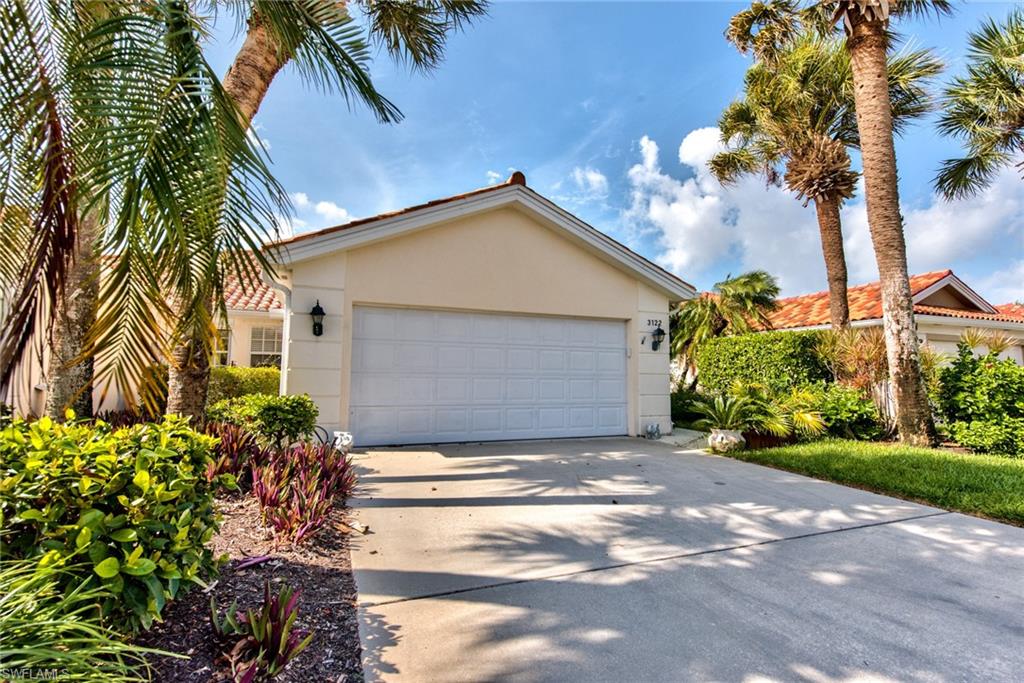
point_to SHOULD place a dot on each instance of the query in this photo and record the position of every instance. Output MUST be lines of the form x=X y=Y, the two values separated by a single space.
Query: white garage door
x=425 y=376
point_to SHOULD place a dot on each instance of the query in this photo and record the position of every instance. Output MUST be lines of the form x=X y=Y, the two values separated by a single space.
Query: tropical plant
x=985 y=108
x=183 y=185
x=234 y=454
x=261 y=644
x=781 y=414
x=298 y=487
x=855 y=357
x=737 y=305
x=724 y=411
x=50 y=625
x=995 y=341
x=325 y=44
x=848 y=413
x=868 y=40
x=129 y=508
x=794 y=123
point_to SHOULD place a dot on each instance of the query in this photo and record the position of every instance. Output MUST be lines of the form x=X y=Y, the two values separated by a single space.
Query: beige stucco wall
x=502 y=260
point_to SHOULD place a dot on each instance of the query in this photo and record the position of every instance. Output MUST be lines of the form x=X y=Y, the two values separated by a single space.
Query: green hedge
x=275 y=420
x=130 y=509
x=982 y=400
x=231 y=382
x=778 y=360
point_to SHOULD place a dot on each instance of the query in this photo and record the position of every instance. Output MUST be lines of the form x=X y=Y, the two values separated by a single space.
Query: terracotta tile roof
x=249 y=296
x=972 y=315
x=865 y=303
x=1014 y=309
x=517 y=178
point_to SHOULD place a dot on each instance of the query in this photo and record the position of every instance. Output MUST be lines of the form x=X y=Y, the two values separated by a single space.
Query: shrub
x=1005 y=436
x=682 y=400
x=261 y=643
x=296 y=488
x=232 y=382
x=275 y=420
x=779 y=361
x=982 y=399
x=848 y=413
x=44 y=610
x=234 y=453
x=131 y=508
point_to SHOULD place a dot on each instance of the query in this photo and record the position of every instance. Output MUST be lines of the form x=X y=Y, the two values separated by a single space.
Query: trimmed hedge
x=231 y=382
x=275 y=420
x=779 y=361
x=982 y=400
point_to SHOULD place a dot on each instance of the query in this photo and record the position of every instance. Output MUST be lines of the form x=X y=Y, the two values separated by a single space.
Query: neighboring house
x=489 y=315
x=252 y=336
x=944 y=306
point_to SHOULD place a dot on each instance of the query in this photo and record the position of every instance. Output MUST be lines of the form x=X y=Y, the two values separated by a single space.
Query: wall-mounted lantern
x=657 y=337
x=318 y=314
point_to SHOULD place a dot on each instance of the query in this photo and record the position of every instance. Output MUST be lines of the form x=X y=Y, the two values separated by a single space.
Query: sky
x=610 y=110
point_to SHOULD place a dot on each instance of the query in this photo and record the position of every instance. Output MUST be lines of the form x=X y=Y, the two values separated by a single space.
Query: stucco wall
x=503 y=260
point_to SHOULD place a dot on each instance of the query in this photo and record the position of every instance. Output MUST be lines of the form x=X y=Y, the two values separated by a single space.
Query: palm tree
x=737 y=305
x=794 y=123
x=986 y=108
x=867 y=41
x=323 y=41
x=75 y=77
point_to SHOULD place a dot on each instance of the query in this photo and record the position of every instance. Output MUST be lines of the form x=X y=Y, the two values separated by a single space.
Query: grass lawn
x=985 y=485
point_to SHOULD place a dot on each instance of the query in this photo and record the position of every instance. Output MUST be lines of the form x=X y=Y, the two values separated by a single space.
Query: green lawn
x=985 y=485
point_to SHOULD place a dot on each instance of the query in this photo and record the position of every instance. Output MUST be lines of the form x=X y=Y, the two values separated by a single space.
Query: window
x=265 y=347
x=222 y=346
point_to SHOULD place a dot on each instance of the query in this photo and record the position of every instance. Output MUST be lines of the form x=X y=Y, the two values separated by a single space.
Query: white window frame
x=222 y=346
x=265 y=346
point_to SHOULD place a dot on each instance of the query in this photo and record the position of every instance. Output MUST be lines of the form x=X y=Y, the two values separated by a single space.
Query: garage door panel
x=421 y=376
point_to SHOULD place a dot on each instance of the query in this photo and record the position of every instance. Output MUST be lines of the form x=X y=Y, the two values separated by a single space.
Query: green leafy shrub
x=779 y=361
x=132 y=506
x=681 y=401
x=43 y=610
x=848 y=413
x=982 y=400
x=275 y=420
x=232 y=382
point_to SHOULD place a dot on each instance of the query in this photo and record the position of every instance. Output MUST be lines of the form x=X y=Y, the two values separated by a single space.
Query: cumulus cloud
x=493 y=177
x=590 y=181
x=310 y=214
x=696 y=222
x=332 y=212
x=300 y=199
x=1006 y=285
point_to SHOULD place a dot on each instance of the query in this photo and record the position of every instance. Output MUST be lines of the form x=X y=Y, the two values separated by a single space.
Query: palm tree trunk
x=247 y=82
x=831 y=228
x=867 y=45
x=70 y=368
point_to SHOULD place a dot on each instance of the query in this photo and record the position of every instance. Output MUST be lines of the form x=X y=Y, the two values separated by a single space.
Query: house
x=489 y=315
x=944 y=306
x=251 y=336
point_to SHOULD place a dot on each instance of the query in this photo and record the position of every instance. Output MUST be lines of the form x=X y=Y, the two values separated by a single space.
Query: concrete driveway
x=626 y=560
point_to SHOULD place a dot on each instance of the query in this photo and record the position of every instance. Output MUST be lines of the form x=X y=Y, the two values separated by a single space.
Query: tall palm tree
x=986 y=108
x=736 y=305
x=868 y=40
x=794 y=123
x=325 y=44
x=75 y=78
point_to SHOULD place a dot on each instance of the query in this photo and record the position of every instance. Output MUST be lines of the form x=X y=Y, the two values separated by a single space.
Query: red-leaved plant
x=236 y=451
x=261 y=643
x=297 y=487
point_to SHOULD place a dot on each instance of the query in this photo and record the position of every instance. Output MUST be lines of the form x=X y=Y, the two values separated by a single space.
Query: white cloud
x=256 y=137
x=332 y=212
x=697 y=222
x=1004 y=286
x=300 y=199
x=493 y=177
x=590 y=181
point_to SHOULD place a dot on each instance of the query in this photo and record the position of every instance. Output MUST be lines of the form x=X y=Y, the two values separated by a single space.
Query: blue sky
x=609 y=109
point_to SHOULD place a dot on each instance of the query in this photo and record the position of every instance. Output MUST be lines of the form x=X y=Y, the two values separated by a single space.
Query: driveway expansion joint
x=666 y=558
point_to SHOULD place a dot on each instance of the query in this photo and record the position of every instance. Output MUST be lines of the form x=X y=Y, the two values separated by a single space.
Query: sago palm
x=794 y=123
x=985 y=108
x=735 y=306
x=116 y=137
x=868 y=40
x=327 y=47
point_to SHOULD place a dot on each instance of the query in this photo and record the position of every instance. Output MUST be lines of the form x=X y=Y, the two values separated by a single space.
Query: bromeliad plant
x=261 y=643
x=297 y=487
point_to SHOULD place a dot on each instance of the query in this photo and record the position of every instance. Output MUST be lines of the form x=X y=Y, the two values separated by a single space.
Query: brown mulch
x=327 y=605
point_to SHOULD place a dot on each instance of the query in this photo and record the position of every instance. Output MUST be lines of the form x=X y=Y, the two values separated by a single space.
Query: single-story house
x=489 y=315
x=251 y=336
x=944 y=306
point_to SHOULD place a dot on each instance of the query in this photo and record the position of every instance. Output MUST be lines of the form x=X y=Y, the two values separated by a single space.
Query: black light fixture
x=318 y=319
x=657 y=337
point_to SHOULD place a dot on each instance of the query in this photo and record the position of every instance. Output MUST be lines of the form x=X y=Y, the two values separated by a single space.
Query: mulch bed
x=327 y=606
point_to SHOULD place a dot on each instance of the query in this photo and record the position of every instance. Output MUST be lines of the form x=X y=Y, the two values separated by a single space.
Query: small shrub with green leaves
x=131 y=508
x=275 y=420
x=721 y=412
x=261 y=644
x=847 y=413
x=229 y=381
x=49 y=622
x=779 y=361
x=1005 y=436
x=681 y=405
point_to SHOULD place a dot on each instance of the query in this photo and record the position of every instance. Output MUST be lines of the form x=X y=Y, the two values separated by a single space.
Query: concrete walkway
x=627 y=560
